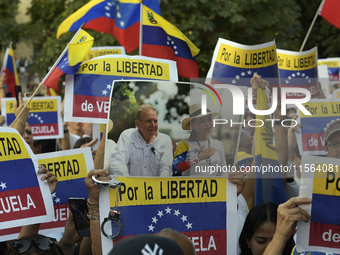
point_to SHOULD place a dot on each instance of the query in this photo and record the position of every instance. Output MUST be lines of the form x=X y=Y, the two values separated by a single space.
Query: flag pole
x=311 y=26
x=140 y=28
x=51 y=69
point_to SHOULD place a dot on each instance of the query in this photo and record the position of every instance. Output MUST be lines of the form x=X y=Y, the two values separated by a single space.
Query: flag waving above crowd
x=161 y=39
x=121 y=19
x=9 y=68
x=70 y=60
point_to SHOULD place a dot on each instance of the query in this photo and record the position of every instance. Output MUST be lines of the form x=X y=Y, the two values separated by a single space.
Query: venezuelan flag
x=70 y=60
x=160 y=39
x=10 y=70
x=176 y=203
x=269 y=186
x=121 y=19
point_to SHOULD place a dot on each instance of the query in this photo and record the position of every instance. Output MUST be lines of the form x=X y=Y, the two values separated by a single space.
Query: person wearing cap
x=332 y=139
x=146 y=244
x=199 y=150
x=142 y=151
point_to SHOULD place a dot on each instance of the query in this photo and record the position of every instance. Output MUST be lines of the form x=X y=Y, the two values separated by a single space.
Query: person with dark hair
x=268 y=228
x=146 y=244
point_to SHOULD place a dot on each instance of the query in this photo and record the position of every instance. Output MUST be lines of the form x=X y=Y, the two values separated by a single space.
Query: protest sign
x=104 y=50
x=87 y=92
x=311 y=138
x=70 y=168
x=197 y=207
x=333 y=68
x=320 y=181
x=44 y=118
x=299 y=70
x=25 y=199
x=236 y=64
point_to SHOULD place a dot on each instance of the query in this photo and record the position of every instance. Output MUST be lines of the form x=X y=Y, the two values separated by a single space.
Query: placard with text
x=44 y=116
x=70 y=168
x=299 y=70
x=25 y=198
x=87 y=92
x=196 y=207
x=311 y=139
x=320 y=181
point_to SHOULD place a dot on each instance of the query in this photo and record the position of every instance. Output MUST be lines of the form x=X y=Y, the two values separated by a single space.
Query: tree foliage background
x=202 y=21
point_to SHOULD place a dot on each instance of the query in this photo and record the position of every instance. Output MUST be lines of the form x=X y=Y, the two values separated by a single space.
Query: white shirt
x=134 y=157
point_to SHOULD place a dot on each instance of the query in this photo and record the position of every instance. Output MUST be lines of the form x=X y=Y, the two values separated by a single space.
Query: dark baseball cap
x=146 y=244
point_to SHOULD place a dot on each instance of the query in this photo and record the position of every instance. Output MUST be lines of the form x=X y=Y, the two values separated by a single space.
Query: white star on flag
x=237 y=77
x=243 y=74
x=160 y=214
x=104 y=92
x=3 y=185
x=151 y=228
x=57 y=200
x=189 y=225
x=184 y=218
x=168 y=210
x=122 y=23
x=108 y=86
x=154 y=220
x=118 y=15
x=293 y=75
x=298 y=73
x=249 y=72
x=54 y=194
x=233 y=81
x=107 y=14
x=107 y=8
x=177 y=213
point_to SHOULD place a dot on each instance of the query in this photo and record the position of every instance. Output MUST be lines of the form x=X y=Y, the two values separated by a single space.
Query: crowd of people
x=265 y=228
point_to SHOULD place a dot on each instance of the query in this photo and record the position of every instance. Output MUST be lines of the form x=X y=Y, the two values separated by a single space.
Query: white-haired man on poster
x=142 y=151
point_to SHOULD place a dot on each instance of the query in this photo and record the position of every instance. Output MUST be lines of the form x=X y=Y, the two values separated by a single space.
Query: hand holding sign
x=48 y=177
x=288 y=214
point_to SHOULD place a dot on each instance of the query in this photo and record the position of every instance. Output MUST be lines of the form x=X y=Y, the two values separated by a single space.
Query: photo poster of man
x=177 y=104
x=173 y=101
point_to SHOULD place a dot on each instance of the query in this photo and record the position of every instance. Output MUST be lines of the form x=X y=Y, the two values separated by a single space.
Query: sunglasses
x=42 y=243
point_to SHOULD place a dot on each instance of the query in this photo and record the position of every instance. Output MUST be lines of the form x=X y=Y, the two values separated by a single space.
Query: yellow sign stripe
x=321 y=109
x=151 y=191
x=126 y=67
x=237 y=57
x=66 y=167
x=297 y=62
x=12 y=147
x=36 y=105
x=327 y=179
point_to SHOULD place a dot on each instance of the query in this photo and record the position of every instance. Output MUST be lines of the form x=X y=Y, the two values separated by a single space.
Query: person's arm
x=2 y=86
x=20 y=123
x=288 y=214
x=65 y=142
x=182 y=163
x=93 y=201
x=70 y=237
x=100 y=154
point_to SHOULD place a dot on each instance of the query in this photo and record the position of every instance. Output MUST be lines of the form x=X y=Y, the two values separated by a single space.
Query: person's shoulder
x=128 y=132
